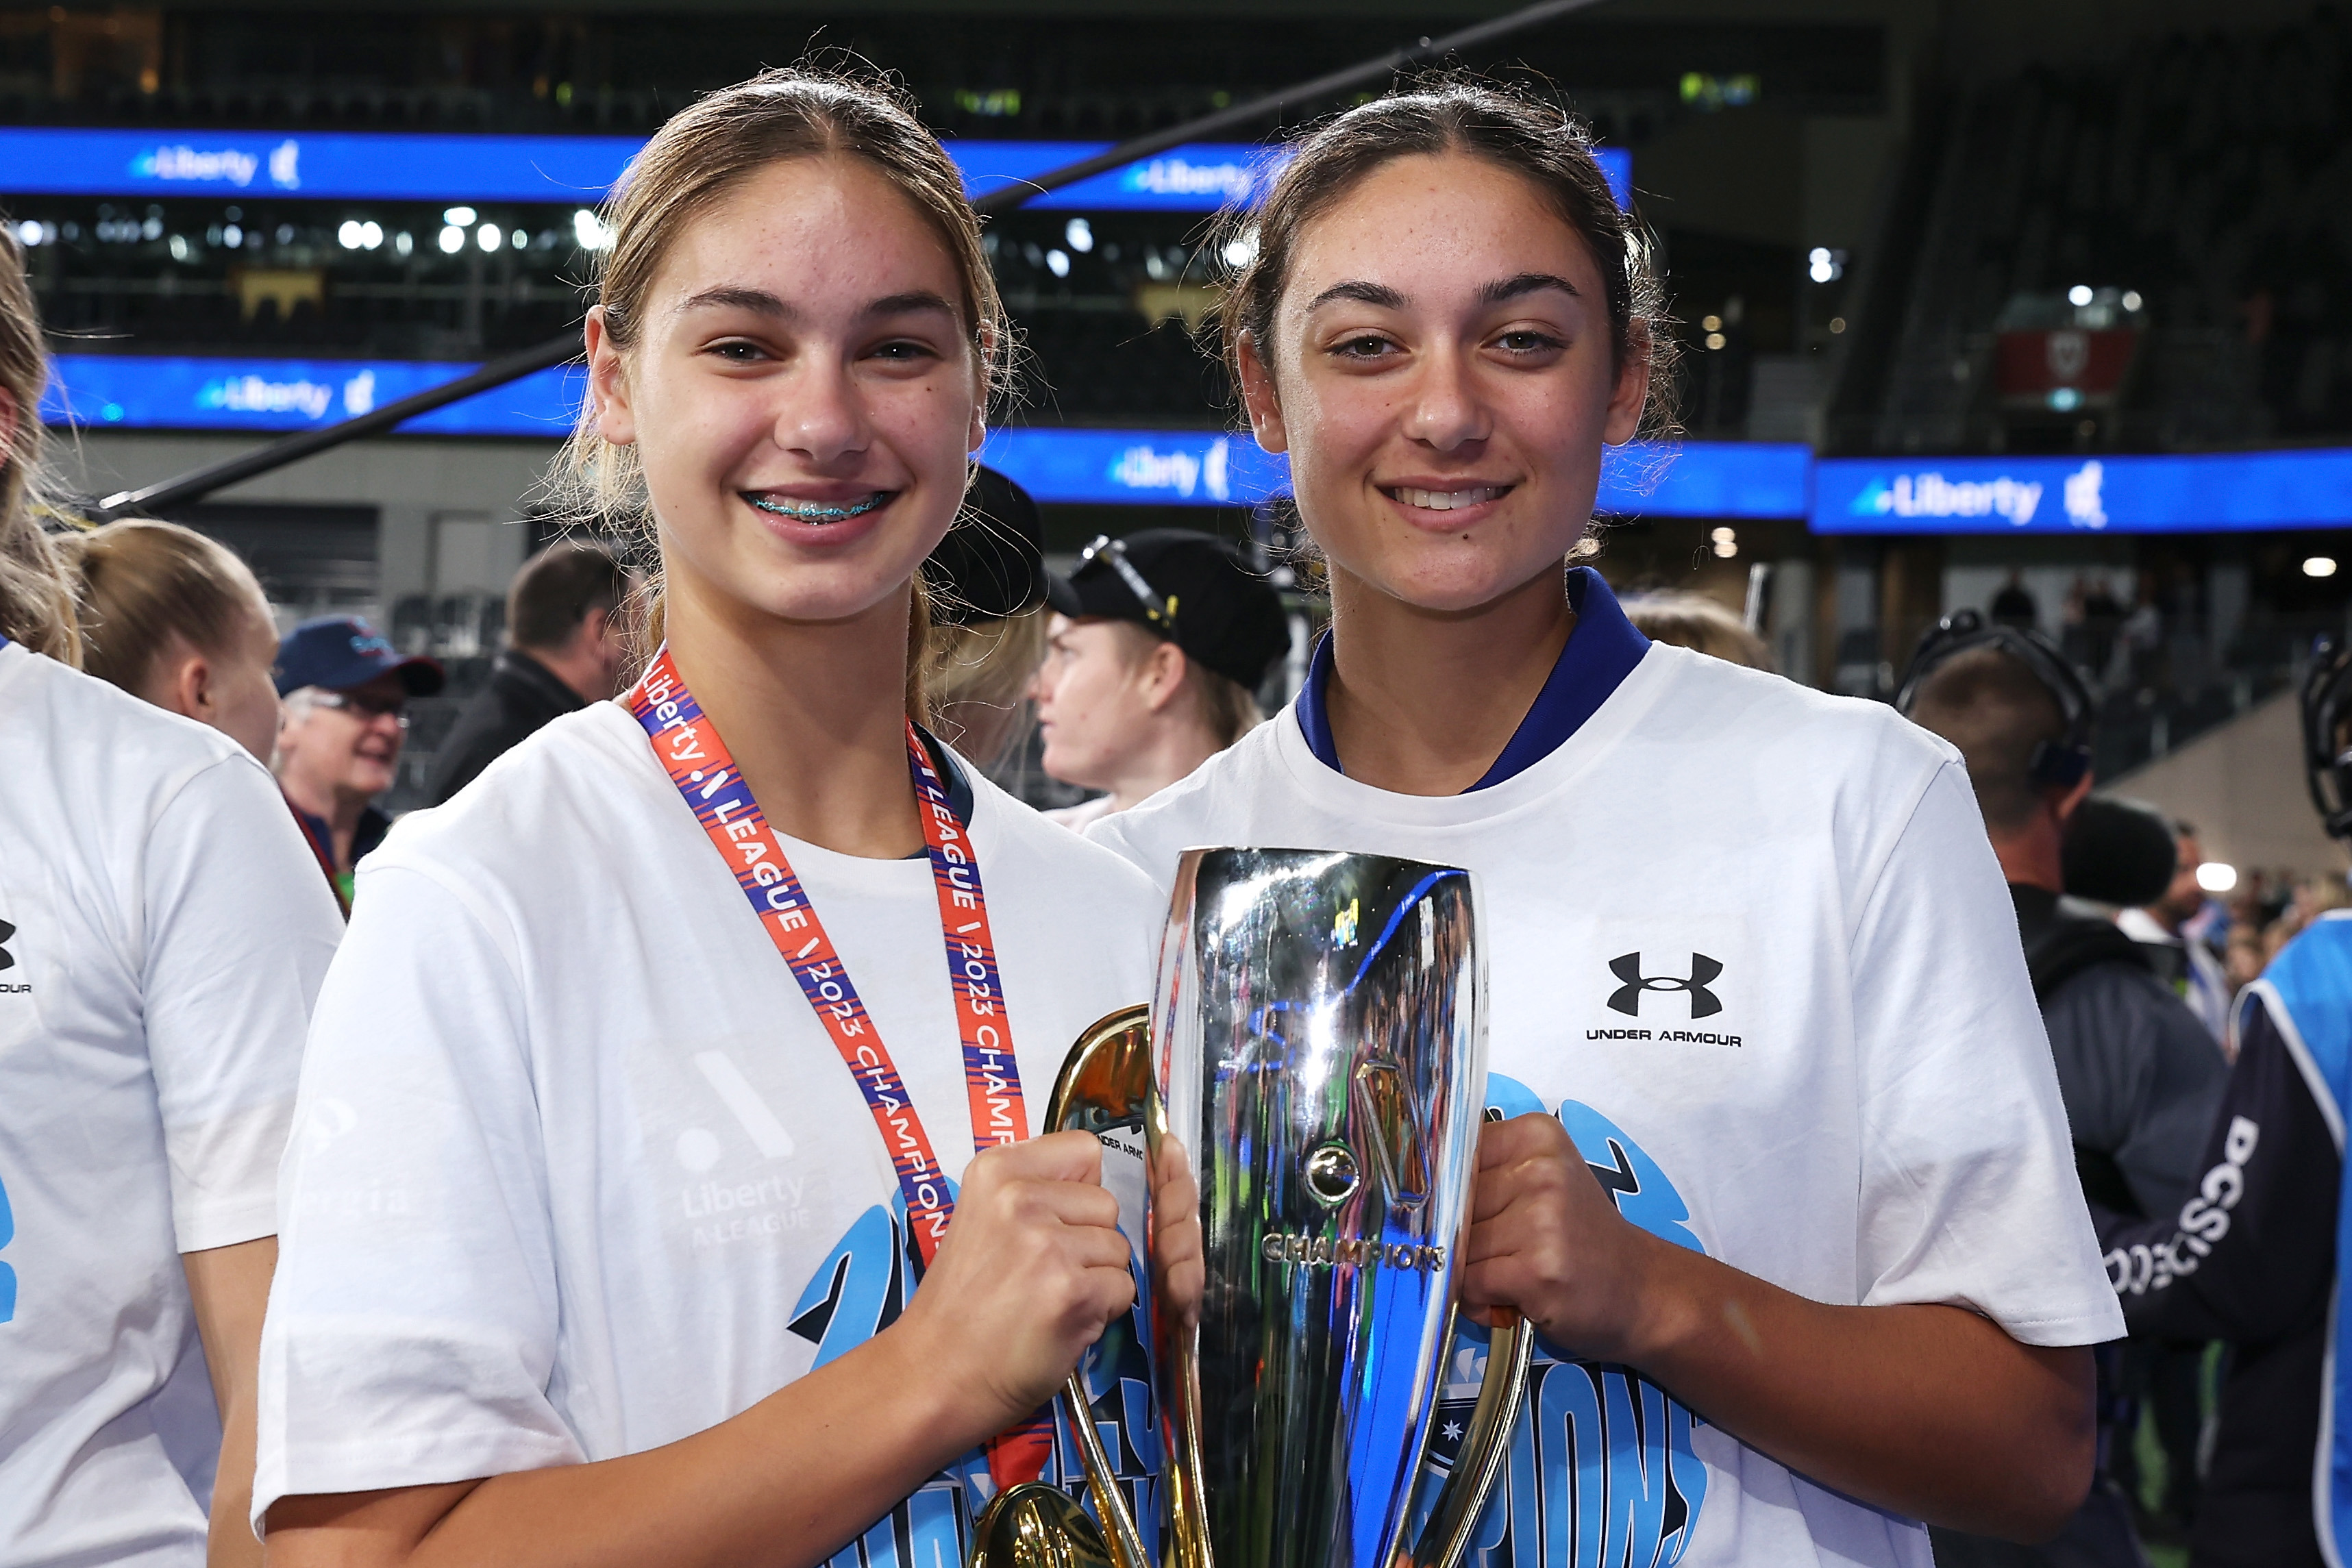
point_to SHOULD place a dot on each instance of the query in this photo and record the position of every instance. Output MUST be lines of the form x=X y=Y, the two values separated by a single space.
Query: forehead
x=1437 y=228
x=809 y=230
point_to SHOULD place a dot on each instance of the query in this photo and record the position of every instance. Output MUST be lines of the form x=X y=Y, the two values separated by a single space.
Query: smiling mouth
x=1446 y=500
x=817 y=511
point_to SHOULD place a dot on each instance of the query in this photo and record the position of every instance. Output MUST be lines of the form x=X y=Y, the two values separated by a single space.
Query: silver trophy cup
x=1310 y=1088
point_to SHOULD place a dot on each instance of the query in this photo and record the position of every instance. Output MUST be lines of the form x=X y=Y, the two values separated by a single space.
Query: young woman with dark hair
x=1786 y=1186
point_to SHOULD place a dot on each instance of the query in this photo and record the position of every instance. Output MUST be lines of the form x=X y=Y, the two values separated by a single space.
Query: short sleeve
x=413 y=1323
x=239 y=928
x=1968 y=1193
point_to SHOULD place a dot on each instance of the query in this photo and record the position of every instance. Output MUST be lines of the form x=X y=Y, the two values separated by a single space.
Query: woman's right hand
x=1030 y=1269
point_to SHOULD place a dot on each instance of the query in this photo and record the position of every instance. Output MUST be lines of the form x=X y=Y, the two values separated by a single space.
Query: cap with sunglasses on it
x=340 y=651
x=1194 y=589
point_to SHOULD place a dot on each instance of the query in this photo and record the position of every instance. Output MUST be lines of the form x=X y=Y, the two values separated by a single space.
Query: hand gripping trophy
x=1309 y=1086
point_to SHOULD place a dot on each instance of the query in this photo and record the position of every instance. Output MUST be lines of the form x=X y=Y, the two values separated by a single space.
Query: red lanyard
x=699 y=764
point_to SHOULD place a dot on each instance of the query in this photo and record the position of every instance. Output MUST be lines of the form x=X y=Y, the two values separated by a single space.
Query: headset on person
x=2058 y=764
x=2326 y=715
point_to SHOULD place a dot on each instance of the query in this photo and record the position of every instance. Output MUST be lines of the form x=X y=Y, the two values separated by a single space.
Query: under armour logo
x=6 y=960
x=1627 y=998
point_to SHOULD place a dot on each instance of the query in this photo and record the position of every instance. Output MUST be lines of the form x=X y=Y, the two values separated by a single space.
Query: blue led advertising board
x=2200 y=493
x=399 y=166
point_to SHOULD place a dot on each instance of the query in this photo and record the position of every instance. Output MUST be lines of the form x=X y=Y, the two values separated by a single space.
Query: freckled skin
x=1450 y=387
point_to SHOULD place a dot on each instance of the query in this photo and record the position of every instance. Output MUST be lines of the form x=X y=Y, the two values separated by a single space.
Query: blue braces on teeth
x=820 y=514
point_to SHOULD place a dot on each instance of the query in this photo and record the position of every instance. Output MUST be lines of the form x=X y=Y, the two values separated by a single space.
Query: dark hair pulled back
x=1461 y=114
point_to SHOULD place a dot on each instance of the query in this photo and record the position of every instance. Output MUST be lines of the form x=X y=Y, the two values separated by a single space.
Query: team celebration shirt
x=1749 y=944
x=162 y=931
x=577 y=1170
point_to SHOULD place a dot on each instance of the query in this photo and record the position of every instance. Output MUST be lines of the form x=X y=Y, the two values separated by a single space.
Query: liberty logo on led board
x=178 y=164
x=1931 y=495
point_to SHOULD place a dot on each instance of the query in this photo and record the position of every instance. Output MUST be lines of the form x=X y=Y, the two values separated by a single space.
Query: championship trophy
x=1308 y=1085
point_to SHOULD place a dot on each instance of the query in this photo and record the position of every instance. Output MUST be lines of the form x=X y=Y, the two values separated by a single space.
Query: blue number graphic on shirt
x=8 y=1274
x=859 y=1289
x=1601 y=1473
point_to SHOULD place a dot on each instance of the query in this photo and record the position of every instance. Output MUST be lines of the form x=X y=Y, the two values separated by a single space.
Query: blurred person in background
x=345 y=693
x=564 y=647
x=162 y=937
x=2173 y=928
x=2137 y=1070
x=1159 y=644
x=2253 y=1257
x=987 y=582
x=177 y=620
x=1695 y=621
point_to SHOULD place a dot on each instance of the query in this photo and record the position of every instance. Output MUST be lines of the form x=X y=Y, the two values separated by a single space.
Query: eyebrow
x=758 y=301
x=1510 y=289
x=1361 y=292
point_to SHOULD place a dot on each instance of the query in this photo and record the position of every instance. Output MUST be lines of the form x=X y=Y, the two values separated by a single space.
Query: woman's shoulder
x=93 y=747
x=1706 y=701
x=566 y=788
x=1027 y=838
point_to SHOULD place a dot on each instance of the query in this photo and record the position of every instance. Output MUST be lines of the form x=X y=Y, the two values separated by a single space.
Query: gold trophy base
x=1034 y=1525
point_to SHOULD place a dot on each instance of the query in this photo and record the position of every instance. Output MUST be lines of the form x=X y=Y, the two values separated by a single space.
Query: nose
x=1447 y=411
x=822 y=416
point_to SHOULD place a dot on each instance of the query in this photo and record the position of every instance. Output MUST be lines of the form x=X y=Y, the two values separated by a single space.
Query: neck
x=1421 y=701
x=578 y=666
x=814 y=713
x=339 y=808
x=2031 y=857
x=1172 y=754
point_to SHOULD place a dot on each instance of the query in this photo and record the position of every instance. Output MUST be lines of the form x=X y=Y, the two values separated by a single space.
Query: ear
x=1632 y=391
x=1258 y=397
x=191 y=684
x=608 y=382
x=2065 y=806
x=1161 y=675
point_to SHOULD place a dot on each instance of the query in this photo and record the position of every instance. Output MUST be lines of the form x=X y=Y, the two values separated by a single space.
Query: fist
x=1545 y=1238
x=1030 y=1269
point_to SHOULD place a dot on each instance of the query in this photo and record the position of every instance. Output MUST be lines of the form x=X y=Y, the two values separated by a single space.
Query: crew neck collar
x=1601 y=652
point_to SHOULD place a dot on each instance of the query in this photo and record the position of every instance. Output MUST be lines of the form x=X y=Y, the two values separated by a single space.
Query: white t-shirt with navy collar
x=1749 y=943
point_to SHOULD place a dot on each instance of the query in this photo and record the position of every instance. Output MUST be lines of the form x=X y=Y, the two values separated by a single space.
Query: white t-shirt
x=1748 y=942
x=1083 y=815
x=576 y=1171
x=162 y=933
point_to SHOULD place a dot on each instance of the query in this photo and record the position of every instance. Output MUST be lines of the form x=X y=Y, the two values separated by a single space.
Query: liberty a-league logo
x=1627 y=998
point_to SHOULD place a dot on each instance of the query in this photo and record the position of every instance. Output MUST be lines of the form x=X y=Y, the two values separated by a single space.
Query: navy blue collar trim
x=1601 y=652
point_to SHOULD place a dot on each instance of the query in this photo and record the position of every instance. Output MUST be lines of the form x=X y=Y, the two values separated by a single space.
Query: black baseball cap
x=1194 y=588
x=992 y=563
x=340 y=651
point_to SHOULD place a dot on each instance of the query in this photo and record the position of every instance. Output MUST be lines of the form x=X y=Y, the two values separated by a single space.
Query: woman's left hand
x=1544 y=1238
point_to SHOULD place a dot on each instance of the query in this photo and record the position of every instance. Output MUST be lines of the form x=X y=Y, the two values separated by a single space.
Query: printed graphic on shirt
x=15 y=985
x=2204 y=1221
x=860 y=1289
x=1602 y=1472
x=1647 y=987
x=7 y=1270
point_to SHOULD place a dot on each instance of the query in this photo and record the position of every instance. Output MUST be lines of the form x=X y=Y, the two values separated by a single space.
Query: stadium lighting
x=1821 y=265
x=403 y=243
x=519 y=238
x=371 y=234
x=1242 y=250
x=347 y=233
x=458 y=217
x=232 y=236
x=1726 y=542
x=589 y=232
x=490 y=237
x=452 y=240
x=1080 y=234
x=30 y=232
x=1716 y=340
x=1057 y=262
x=2319 y=566
x=2217 y=876
x=2079 y=296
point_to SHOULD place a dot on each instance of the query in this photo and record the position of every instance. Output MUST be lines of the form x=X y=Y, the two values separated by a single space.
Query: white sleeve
x=413 y=1323
x=239 y=927
x=1969 y=1192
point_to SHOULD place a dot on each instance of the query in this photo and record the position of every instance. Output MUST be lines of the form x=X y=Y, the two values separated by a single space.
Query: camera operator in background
x=345 y=693
x=177 y=620
x=2174 y=929
x=2137 y=1072
x=2252 y=1256
x=1159 y=644
x=565 y=648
